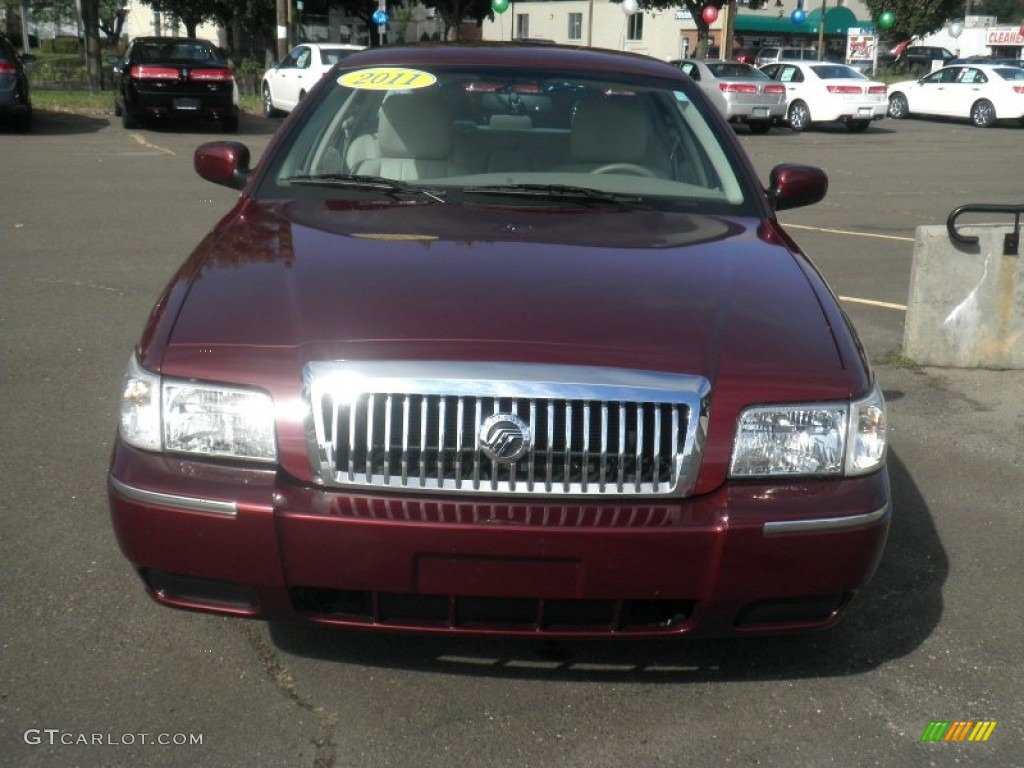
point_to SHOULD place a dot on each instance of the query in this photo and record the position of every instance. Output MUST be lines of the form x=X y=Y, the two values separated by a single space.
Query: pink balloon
x=709 y=14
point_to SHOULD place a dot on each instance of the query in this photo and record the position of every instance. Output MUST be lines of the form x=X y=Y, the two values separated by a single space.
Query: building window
x=636 y=27
x=575 y=26
x=522 y=25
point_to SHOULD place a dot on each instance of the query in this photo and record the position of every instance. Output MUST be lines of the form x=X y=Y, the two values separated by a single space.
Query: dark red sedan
x=503 y=339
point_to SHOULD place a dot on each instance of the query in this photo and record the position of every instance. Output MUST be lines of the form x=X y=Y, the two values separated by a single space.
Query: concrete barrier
x=966 y=303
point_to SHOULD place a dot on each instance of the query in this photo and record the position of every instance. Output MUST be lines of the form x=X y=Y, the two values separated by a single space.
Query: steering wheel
x=630 y=168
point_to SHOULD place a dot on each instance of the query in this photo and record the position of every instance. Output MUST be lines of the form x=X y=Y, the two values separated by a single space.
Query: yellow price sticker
x=386 y=79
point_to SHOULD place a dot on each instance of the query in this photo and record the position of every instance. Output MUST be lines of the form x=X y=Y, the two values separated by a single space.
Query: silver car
x=741 y=92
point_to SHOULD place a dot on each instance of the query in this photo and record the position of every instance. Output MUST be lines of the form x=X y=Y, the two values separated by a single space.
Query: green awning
x=837 y=21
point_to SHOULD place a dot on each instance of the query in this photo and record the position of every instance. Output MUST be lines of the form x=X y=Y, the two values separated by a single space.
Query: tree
x=1006 y=11
x=93 y=52
x=916 y=17
x=191 y=13
x=452 y=13
x=65 y=12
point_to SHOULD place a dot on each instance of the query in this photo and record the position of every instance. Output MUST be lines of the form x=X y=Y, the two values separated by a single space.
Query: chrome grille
x=590 y=431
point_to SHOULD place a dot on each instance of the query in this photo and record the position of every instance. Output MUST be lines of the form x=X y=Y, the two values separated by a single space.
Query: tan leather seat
x=608 y=131
x=414 y=139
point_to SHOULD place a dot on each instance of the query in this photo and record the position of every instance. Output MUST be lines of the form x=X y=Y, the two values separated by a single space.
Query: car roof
x=157 y=39
x=534 y=56
x=336 y=46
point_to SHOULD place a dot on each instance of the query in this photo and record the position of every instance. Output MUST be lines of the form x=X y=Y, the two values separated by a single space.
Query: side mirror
x=794 y=186
x=28 y=58
x=223 y=162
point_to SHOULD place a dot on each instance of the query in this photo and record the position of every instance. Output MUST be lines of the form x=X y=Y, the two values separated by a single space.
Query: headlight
x=198 y=418
x=811 y=439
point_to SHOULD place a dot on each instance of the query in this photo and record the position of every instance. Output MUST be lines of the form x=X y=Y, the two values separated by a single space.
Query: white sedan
x=286 y=83
x=742 y=93
x=983 y=93
x=823 y=92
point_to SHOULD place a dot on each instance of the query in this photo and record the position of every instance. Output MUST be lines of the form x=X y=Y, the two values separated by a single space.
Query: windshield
x=489 y=133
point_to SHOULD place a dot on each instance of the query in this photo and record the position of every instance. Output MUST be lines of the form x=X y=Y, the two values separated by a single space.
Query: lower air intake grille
x=492 y=613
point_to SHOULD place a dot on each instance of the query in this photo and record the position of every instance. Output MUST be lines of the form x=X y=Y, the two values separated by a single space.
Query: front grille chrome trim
x=415 y=426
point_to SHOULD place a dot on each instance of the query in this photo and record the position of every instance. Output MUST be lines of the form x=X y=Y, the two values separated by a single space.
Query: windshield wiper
x=559 y=192
x=355 y=181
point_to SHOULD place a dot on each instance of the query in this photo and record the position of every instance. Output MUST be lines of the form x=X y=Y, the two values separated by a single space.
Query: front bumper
x=250 y=542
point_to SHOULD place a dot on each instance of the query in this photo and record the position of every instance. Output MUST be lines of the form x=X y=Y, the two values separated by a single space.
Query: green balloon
x=499 y=6
x=886 y=20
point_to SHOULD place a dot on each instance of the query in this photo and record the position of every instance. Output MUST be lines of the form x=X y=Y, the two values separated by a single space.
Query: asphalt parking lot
x=94 y=220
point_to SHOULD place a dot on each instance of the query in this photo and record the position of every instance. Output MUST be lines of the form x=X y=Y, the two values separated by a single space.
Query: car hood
x=276 y=286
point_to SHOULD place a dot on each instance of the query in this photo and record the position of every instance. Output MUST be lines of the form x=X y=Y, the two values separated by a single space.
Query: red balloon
x=709 y=14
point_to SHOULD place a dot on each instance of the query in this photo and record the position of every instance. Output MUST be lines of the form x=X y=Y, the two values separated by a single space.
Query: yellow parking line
x=853 y=299
x=899 y=238
x=138 y=138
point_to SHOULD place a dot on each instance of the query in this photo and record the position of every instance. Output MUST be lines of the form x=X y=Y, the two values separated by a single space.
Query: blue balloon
x=798 y=16
x=380 y=18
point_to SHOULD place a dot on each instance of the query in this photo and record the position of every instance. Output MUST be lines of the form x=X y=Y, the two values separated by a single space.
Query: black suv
x=917 y=59
x=15 y=101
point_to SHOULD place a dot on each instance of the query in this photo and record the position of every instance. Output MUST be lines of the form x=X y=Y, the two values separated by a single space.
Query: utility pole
x=728 y=29
x=282 y=29
x=821 y=33
x=23 y=9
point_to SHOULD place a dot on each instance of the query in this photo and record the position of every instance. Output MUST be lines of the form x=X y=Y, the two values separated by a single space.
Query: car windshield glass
x=454 y=130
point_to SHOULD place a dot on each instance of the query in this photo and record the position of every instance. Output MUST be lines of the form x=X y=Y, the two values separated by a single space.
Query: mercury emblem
x=505 y=438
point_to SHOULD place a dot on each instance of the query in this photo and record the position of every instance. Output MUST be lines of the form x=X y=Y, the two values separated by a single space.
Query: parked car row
x=801 y=93
x=798 y=93
x=161 y=78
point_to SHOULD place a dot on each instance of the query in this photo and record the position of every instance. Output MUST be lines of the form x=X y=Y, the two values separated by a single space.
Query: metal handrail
x=1011 y=243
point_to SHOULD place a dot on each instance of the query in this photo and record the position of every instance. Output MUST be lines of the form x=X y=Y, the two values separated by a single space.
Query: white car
x=824 y=92
x=286 y=83
x=982 y=92
x=742 y=93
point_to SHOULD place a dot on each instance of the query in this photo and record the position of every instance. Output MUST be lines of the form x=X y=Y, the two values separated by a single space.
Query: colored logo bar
x=958 y=730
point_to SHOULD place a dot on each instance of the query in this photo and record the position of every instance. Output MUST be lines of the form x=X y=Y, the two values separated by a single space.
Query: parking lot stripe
x=900 y=238
x=873 y=303
x=140 y=139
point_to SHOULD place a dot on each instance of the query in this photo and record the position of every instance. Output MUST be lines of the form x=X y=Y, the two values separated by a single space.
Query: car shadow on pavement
x=888 y=619
x=877 y=128
x=248 y=125
x=50 y=123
